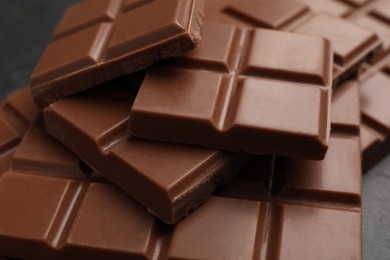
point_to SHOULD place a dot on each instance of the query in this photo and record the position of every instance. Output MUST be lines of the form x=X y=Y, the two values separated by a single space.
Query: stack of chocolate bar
x=192 y=129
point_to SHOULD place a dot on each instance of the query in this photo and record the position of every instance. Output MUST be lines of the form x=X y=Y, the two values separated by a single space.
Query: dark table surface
x=25 y=29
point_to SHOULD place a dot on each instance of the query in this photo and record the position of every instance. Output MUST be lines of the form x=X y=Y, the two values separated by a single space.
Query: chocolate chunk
x=169 y=179
x=238 y=91
x=352 y=43
x=77 y=215
x=100 y=40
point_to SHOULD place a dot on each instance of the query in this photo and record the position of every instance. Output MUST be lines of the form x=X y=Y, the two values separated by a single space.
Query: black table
x=25 y=29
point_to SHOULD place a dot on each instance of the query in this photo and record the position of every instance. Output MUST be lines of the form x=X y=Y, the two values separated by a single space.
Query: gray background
x=25 y=29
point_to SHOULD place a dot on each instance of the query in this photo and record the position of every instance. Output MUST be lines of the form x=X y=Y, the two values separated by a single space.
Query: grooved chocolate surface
x=98 y=40
x=374 y=91
x=375 y=78
x=326 y=18
x=171 y=180
x=375 y=127
x=238 y=91
x=25 y=19
x=376 y=18
x=79 y=215
x=17 y=112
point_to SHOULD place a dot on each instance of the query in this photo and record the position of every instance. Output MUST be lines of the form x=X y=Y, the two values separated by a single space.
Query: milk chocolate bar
x=375 y=130
x=376 y=18
x=375 y=127
x=98 y=40
x=346 y=120
x=352 y=43
x=248 y=89
x=65 y=211
x=374 y=77
x=171 y=180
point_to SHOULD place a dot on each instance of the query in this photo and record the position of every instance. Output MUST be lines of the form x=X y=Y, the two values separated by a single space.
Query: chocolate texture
x=374 y=91
x=171 y=180
x=330 y=19
x=299 y=209
x=375 y=17
x=238 y=91
x=16 y=114
x=375 y=127
x=98 y=40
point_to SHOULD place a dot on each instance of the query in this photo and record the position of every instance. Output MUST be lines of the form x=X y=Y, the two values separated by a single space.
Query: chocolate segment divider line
x=244 y=96
x=17 y=112
x=171 y=180
x=374 y=78
x=105 y=40
x=298 y=16
x=270 y=223
x=375 y=126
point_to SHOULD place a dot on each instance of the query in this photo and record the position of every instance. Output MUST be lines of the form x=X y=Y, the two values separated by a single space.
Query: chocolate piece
x=375 y=131
x=334 y=183
x=375 y=128
x=238 y=91
x=356 y=45
x=311 y=210
x=352 y=48
x=16 y=114
x=170 y=180
x=376 y=17
x=268 y=177
x=100 y=40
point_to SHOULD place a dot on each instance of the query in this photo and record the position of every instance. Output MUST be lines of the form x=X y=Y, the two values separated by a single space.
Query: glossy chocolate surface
x=98 y=40
x=300 y=208
x=353 y=43
x=375 y=127
x=171 y=180
x=238 y=91
x=17 y=112
x=374 y=91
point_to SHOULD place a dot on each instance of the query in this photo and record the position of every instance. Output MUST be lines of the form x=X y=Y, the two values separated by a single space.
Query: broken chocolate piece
x=98 y=40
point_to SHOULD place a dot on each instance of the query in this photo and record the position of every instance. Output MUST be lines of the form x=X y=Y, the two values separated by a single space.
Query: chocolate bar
x=308 y=209
x=171 y=180
x=375 y=127
x=238 y=91
x=345 y=129
x=376 y=18
x=374 y=77
x=98 y=40
x=309 y=17
x=375 y=133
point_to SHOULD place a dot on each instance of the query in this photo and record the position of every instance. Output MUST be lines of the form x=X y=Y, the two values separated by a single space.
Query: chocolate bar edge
x=43 y=94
